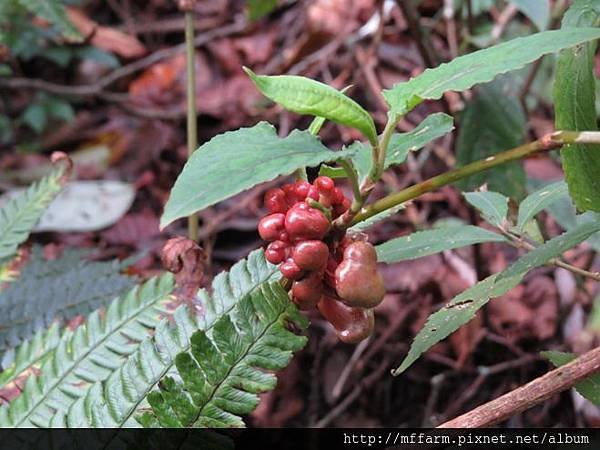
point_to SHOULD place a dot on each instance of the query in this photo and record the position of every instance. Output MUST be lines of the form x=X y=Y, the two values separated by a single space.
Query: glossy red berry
x=290 y=269
x=271 y=226
x=301 y=189
x=352 y=325
x=357 y=280
x=313 y=193
x=276 y=252
x=337 y=196
x=311 y=255
x=307 y=291
x=275 y=201
x=303 y=222
x=324 y=184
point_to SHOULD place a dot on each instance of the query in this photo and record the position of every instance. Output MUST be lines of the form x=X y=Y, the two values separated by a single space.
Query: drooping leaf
x=574 y=103
x=482 y=66
x=463 y=307
x=589 y=388
x=537 y=11
x=228 y=366
x=459 y=311
x=54 y=12
x=538 y=201
x=19 y=215
x=305 y=96
x=432 y=127
x=552 y=248
x=117 y=401
x=238 y=160
x=492 y=206
x=429 y=242
x=492 y=122
x=89 y=354
x=58 y=289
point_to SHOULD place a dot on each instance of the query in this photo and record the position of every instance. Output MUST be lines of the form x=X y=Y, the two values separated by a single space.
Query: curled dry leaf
x=186 y=260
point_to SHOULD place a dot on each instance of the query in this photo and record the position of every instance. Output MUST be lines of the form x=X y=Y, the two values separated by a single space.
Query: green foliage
x=54 y=12
x=89 y=354
x=46 y=107
x=19 y=215
x=492 y=122
x=429 y=242
x=305 y=96
x=589 y=388
x=574 y=104
x=538 y=201
x=482 y=66
x=115 y=402
x=492 y=206
x=537 y=11
x=225 y=368
x=260 y=8
x=59 y=289
x=237 y=160
x=432 y=127
x=463 y=307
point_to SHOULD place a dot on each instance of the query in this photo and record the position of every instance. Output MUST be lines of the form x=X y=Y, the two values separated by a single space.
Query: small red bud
x=271 y=226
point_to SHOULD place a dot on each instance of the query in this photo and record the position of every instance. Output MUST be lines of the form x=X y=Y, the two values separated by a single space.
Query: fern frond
x=20 y=214
x=54 y=12
x=89 y=354
x=62 y=288
x=228 y=366
x=117 y=401
x=29 y=354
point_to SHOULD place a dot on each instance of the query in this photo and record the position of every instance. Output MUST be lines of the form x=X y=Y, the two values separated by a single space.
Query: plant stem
x=192 y=125
x=531 y=394
x=548 y=142
x=353 y=178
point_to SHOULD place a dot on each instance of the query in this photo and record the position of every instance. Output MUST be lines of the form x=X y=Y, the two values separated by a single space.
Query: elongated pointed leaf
x=538 y=201
x=482 y=66
x=238 y=160
x=492 y=206
x=589 y=388
x=429 y=242
x=54 y=12
x=538 y=11
x=574 y=103
x=305 y=96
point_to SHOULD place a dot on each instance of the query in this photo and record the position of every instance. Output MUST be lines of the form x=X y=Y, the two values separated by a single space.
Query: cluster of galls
x=339 y=277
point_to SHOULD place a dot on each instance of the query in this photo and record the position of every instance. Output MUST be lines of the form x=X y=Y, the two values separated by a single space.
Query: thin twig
x=422 y=39
x=533 y=393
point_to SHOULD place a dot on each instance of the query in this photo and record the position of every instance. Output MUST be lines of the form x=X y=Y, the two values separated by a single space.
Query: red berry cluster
x=339 y=278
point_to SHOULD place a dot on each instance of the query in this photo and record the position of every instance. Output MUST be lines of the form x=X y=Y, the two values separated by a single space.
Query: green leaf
x=62 y=288
x=492 y=206
x=482 y=66
x=229 y=366
x=54 y=12
x=379 y=217
x=492 y=122
x=589 y=388
x=115 y=402
x=537 y=11
x=452 y=316
x=305 y=96
x=89 y=354
x=60 y=109
x=432 y=127
x=538 y=201
x=29 y=354
x=574 y=103
x=260 y=8
x=429 y=242
x=552 y=248
x=237 y=160
x=35 y=116
x=19 y=215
